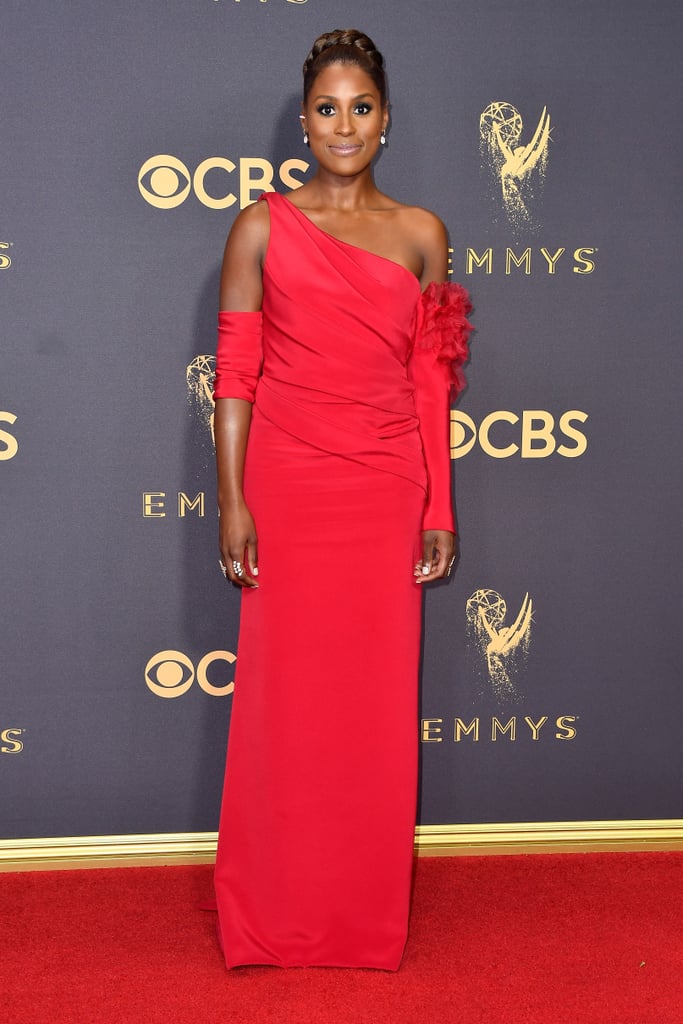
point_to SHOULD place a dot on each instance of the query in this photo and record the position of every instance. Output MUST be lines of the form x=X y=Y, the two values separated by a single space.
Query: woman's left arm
x=432 y=400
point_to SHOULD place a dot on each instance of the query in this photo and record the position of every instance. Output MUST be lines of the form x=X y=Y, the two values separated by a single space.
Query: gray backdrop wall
x=546 y=136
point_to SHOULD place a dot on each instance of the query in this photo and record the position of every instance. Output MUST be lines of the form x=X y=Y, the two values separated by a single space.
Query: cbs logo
x=171 y=673
x=165 y=181
x=534 y=435
x=9 y=446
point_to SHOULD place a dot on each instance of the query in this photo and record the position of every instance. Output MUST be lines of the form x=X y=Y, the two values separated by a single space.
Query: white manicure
x=425 y=570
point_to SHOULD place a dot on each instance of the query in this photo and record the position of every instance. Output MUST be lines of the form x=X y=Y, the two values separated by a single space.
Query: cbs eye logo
x=171 y=673
x=534 y=435
x=165 y=181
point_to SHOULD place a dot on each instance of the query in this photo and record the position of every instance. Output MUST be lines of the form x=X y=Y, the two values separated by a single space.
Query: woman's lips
x=345 y=149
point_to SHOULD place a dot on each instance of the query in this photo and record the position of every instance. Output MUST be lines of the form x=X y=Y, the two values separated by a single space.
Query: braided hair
x=345 y=46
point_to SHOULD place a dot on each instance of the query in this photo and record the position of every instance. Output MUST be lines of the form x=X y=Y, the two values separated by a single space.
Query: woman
x=333 y=375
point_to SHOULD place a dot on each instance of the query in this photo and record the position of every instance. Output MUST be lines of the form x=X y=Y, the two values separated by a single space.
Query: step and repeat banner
x=546 y=135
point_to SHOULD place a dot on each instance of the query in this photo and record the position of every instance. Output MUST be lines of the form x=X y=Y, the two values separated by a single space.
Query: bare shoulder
x=251 y=228
x=241 y=285
x=425 y=236
x=427 y=230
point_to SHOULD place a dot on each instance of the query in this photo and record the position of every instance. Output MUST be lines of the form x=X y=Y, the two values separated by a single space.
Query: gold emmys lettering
x=432 y=730
x=11 y=742
x=502 y=646
x=520 y=169
x=9 y=446
x=523 y=262
x=154 y=504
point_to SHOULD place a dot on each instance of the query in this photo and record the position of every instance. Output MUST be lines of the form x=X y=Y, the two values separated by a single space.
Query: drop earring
x=383 y=138
x=301 y=118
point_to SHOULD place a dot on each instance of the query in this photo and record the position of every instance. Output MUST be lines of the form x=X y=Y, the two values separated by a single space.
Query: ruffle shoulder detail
x=442 y=328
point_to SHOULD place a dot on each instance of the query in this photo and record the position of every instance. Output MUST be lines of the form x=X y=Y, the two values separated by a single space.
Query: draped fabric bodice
x=338 y=326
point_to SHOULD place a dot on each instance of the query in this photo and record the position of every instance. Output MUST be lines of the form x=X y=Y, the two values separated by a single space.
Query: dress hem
x=301 y=964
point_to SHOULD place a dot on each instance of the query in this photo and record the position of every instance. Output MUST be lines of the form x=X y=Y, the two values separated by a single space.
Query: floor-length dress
x=317 y=822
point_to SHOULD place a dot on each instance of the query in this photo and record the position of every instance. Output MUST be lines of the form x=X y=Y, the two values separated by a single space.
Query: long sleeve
x=439 y=351
x=239 y=355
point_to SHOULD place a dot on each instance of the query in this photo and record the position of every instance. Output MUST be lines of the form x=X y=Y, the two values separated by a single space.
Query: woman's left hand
x=438 y=556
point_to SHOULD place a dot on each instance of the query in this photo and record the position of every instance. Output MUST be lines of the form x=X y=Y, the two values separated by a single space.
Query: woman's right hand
x=238 y=545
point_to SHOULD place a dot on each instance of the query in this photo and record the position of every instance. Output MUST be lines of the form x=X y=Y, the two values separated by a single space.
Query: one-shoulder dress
x=350 y=369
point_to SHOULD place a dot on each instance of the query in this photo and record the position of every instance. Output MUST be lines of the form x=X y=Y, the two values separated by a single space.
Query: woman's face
x=344 y=118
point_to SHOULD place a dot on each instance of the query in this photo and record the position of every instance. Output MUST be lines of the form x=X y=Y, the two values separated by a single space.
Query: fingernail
x=425 y=570
x=254 y=571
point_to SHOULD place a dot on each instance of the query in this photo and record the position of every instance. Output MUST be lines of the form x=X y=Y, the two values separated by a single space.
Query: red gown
x=347 y=462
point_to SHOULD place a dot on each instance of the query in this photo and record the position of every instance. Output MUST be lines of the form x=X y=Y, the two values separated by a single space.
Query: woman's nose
x=344 y=125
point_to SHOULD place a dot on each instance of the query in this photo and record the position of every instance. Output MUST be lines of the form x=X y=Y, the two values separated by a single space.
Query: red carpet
x=578 y=939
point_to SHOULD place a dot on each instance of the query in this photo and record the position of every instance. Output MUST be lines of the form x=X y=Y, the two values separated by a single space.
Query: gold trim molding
x=549 y=837
x=156 y=848
x=430 y=841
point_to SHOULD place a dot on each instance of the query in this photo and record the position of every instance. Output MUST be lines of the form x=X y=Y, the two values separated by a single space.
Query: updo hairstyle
x=345 y=46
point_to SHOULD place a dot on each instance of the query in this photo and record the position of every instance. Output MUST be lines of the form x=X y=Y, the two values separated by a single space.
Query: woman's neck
x=341 y=193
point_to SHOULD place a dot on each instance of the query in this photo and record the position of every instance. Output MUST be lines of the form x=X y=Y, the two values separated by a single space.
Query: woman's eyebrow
x=324 y=96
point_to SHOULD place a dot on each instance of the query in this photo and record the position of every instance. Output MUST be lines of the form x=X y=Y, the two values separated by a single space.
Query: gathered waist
x=385 y=439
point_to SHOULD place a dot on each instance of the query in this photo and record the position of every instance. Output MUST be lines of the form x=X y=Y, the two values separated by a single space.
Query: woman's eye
x=362 y=108
x=326 y=109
